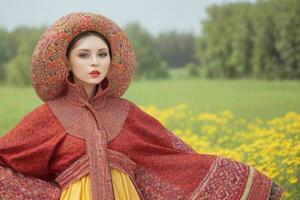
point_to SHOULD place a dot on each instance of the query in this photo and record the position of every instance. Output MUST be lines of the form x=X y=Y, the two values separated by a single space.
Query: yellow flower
x=293 y=180
x=290 y=171
x=271 y=146
x=207 y=117
x=208 y=129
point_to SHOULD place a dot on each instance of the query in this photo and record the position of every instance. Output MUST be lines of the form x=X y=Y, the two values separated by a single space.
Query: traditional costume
x=107 y=148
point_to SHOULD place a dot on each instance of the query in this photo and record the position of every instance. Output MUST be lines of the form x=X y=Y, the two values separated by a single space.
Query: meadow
x=255 y=122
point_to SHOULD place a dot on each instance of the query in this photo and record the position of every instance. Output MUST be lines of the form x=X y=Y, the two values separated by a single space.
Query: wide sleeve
x=25 y=156
x=167 y=168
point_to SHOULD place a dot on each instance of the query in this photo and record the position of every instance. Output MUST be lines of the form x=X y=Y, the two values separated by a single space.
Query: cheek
x=106 y=67
x=77 y=64
x=107 y=62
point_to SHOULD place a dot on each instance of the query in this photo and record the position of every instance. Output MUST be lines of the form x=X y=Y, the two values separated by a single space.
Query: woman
x=85 y=142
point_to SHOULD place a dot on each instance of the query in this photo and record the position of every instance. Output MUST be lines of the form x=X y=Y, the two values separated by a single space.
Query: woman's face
x=89 y=60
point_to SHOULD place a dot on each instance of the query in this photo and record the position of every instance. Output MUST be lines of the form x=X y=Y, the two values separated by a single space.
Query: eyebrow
x=89 y=50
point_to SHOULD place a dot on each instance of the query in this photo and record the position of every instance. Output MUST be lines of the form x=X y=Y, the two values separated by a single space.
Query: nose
x=94 y=61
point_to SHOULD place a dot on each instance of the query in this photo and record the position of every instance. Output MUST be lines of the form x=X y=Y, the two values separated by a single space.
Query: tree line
x=259 y=40
x=238 y=40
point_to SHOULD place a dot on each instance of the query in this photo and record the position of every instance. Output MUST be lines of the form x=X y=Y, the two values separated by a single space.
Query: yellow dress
x=122 y=185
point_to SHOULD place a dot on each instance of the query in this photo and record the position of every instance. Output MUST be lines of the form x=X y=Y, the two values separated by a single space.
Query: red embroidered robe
x=49 y=149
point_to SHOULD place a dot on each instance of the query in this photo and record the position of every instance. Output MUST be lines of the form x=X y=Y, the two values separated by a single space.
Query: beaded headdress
x=49 y=61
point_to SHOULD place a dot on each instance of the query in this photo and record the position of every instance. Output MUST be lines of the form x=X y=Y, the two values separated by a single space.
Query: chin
x=95 y=81
x=91 y=81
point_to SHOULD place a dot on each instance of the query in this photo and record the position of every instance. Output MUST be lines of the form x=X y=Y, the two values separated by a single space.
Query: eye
x=102 y=54
x=83 y=55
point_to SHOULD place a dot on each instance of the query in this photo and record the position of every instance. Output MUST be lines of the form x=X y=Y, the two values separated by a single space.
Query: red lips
x=95 y=72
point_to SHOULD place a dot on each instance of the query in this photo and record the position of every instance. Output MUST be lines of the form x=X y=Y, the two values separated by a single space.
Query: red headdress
x=49 y=62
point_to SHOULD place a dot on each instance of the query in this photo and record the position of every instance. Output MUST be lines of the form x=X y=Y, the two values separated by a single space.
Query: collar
x=77 y=94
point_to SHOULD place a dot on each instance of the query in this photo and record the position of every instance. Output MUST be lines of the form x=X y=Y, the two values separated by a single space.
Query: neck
x=81 y=93
x=90 y=89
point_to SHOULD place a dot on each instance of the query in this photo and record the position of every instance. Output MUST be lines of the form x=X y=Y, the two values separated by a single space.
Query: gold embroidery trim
x=248 y=184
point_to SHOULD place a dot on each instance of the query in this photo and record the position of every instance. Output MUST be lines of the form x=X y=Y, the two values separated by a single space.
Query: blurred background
x=221 y=74
x=207 y=39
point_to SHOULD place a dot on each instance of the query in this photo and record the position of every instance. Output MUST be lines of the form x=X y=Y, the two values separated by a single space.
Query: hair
x=71 y=45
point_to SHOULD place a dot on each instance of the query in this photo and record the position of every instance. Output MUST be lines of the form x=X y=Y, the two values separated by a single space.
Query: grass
x=245 y=98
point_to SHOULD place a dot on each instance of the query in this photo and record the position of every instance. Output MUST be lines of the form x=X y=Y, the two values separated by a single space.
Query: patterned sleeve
x=276 y=192
x=16 y=186
x=25 y=154
x=167 y=168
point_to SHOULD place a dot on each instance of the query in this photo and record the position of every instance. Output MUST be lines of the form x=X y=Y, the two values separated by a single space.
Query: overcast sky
x=155 y=15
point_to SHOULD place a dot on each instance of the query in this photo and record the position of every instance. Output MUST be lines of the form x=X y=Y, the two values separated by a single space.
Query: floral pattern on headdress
x=49 y=61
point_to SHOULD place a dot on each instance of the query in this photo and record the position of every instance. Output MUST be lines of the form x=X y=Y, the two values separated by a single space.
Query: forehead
x=90 y=42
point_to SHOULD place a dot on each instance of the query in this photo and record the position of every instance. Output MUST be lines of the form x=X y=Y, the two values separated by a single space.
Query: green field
x=245 y=98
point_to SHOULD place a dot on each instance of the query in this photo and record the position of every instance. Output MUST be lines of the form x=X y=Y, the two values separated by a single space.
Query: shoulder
x=40 y=121
x=114 y=106
x=133 y=110
x=131 y=106
x=137 y=114
x=40 y=115
x=38 y=112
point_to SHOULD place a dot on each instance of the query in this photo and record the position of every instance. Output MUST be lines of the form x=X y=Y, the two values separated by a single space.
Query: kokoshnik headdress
x=49 y=61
